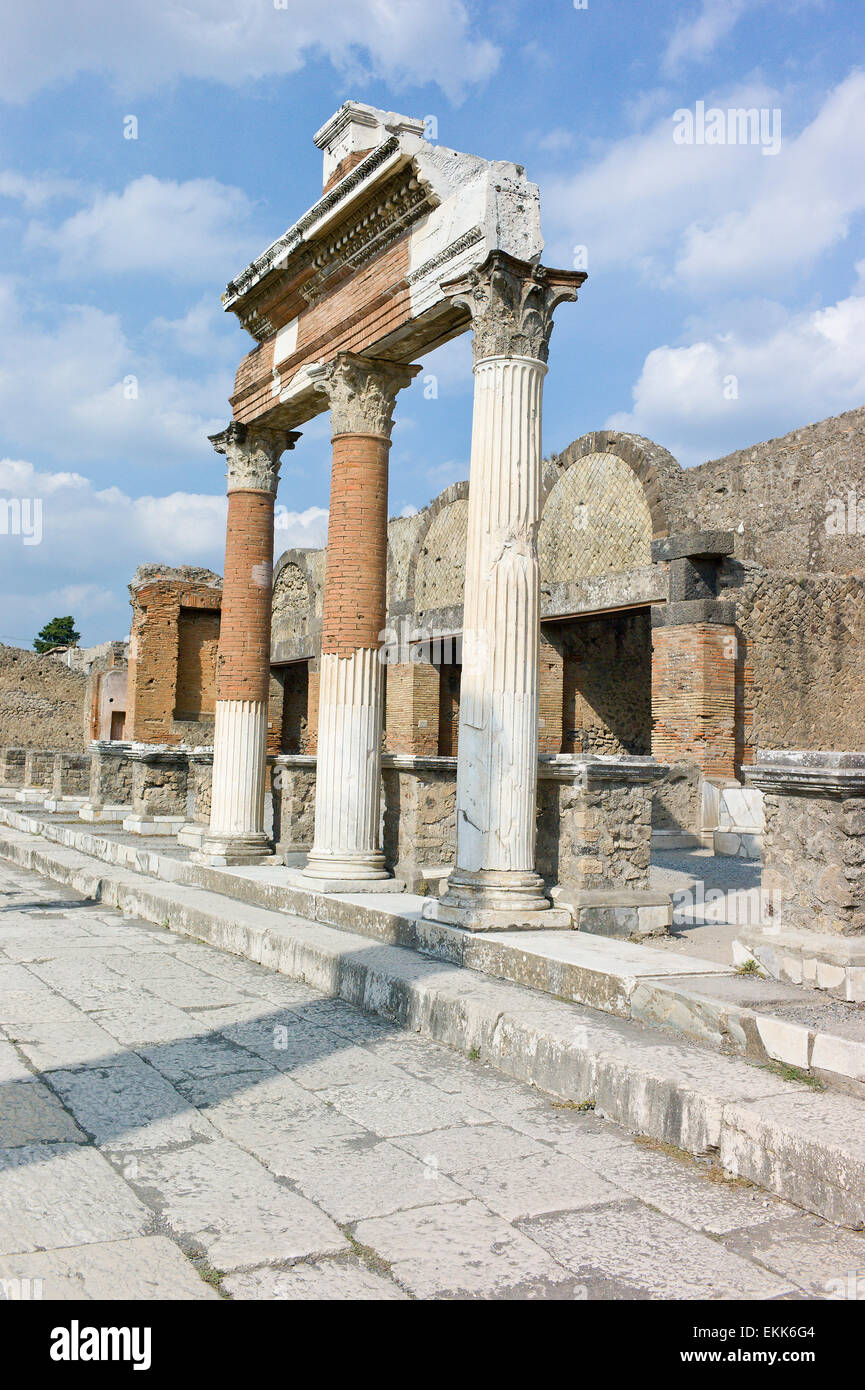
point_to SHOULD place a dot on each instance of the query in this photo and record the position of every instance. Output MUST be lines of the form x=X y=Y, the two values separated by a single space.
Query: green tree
x=59 y=632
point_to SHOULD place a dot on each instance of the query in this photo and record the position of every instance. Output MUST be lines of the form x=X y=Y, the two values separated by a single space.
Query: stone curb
x=808 y=1148
x=614 y=976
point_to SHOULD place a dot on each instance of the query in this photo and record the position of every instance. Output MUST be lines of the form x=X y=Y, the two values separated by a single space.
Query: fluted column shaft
x=236 y=833
x=494 y=883
x=497 y=764
x=346 y=846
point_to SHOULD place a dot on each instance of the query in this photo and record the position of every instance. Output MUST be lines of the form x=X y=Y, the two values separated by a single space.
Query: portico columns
x=236 y=834
x=346 y=849
x=494 y=883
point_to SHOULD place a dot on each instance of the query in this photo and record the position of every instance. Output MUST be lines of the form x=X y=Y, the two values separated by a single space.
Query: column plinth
x=346 y=853
x=494 y=885
x=236 y=834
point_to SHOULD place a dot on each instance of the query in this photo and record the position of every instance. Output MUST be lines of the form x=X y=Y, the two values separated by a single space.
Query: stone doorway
x=606 y=681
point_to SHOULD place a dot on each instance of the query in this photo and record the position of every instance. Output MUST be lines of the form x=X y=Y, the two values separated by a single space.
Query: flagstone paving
x=177 y=1123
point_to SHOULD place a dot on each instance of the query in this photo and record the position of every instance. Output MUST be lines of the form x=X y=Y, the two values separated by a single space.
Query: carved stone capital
x=511 y=303
x=253 y=453
x=362 y=392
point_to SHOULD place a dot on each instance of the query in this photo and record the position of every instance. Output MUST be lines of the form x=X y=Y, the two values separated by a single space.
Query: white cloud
x=71 y=380
x=187 y=231
x=696 y=37
x=93 y=538
x=299 y=530
x=34 y=190
x=704 y=217
x=142 y=46
x=728 y=389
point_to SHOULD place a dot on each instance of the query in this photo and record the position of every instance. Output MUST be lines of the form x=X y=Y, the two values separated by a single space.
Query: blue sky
x=726 y=295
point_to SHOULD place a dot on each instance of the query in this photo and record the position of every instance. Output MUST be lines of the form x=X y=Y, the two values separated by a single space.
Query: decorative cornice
x=808 y=772
x=362 y=392
x=377 y=223
x=253 y=453
x=282 y=248
x=448 y=253
x=511 y=303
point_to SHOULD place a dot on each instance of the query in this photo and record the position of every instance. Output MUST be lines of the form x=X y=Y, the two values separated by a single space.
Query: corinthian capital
x=253 y=453
x=511 y=303
x=362 y=392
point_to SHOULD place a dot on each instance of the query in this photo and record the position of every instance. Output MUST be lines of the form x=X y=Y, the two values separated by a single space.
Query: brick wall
x=551 y=695
x=412 y=708
x=362 y=310
x=693 y=696
x=172 y=657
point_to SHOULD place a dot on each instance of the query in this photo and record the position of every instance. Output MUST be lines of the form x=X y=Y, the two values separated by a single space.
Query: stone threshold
x=804 y=1146
x=699 y=1000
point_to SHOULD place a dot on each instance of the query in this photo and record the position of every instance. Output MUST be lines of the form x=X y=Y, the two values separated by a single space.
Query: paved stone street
x=176 y=1122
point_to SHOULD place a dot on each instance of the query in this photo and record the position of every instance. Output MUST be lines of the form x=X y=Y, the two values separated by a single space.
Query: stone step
x=806 y=1146
x=696 y=999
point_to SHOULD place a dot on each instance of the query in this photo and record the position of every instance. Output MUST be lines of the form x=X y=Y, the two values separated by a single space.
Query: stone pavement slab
x=464 y=1251
x=227 y=1202
x=286 y=1145
x=626 y=1250
x=62 y=1194
x=141 y=1268
x=328 y=1281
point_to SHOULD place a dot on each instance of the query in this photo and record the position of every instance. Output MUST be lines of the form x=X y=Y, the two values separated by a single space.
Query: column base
x=95 y=812
x=347 y=873
x=225 y=851
x=58 y=804
x=152 y=825
x=192 y=834
x=497 y=900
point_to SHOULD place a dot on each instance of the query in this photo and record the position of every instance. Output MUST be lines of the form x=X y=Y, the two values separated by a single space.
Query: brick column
x=494 y=884
x=694 y=657
x=237 y=833
x=346 y=848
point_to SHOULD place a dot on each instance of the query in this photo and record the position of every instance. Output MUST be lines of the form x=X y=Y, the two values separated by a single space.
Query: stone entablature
x=362 y=270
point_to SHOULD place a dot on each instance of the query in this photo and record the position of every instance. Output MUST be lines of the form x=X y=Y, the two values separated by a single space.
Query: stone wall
x=801 y=661
x=419 y=815
x=43 y=703
x=607 y=677
x=778 y=493
x=595 y=836
x=814 y=839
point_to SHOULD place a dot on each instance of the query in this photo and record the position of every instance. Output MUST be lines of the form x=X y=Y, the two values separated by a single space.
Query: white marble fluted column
x=346 y=852
x=494 y=884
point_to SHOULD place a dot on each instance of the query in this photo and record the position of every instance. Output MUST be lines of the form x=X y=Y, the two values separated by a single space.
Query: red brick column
x=694 y=696
x=362 y=394
x=243 y=664
x=694 y=656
